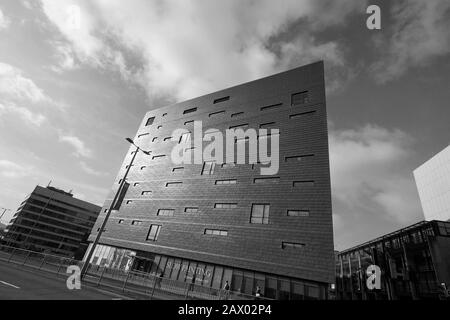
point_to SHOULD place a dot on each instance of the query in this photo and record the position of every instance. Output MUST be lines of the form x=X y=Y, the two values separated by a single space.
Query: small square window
x=208 y=167
x=153 y=232
x=260 y=213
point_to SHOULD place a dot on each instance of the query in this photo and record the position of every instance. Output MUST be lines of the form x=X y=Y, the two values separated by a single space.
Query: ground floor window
x=241 y=281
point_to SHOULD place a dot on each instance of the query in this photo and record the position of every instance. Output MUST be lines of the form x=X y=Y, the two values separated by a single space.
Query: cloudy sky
x=70 y=93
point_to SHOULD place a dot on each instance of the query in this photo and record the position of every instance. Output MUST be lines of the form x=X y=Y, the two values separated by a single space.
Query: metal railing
x=145 y=285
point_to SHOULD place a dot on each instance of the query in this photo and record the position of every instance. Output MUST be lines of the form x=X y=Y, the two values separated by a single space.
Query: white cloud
x=4 y=21
x=25 y=114
x=86 y=168
x=13 y=85
x=193 y=47
x=80 y=148
x=369 y=175
x=420 y=33
x=9 y=169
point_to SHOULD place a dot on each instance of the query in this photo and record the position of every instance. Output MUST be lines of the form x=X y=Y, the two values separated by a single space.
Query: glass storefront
x=206 y=275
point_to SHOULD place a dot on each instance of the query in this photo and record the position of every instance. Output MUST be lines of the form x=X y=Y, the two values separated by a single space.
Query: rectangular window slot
x=189 y=110
x=189 y=122
x=228 y=165
x=265 y=125
x=307 y=183
x=153 y=232
x=167 y=138
x=268 y=135
x=298 y=158
x=239 y=126
x=237 y=114
x=227 y=181
x=143 y=135
x=136 y=223
x=178 y=169
x=271 y=107
x=266 y=180
x=299 y=98
x=146 y=193
x=159 y=156
x=159 y=127
x=225 y=205
x=129 y=201
x=293 y=245
x=223 y=99
x=150 y=121
x=298 y=115
x=298 y=213
x=154 y=139
x=143 y=167
x=191 y=209
x=166 y=212
x=185 y=137
x=217 y=113
x=174 y=184
x=120 y=221
x=216 y=232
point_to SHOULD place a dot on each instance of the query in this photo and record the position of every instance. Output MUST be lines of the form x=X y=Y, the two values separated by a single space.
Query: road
x=22 y=284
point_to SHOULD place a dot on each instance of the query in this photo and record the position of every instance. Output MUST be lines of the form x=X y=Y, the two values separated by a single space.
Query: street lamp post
x=97 y=238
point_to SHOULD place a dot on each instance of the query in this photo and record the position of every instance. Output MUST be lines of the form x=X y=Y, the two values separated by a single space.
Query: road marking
x=9 y=284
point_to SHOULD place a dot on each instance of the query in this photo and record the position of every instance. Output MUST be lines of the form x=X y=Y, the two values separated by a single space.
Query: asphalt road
x=22 y=284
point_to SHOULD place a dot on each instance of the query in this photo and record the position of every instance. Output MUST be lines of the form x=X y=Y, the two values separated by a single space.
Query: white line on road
x=9 y=284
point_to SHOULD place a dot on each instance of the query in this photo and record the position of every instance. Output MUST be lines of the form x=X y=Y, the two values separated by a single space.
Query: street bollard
x=101 y=277
x=26 y=258
x=59 y=267
x=125 y=282
x=43 y=261
x=12 y=253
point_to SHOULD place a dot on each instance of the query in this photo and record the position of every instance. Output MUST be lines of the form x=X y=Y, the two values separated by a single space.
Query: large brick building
x=227 y=222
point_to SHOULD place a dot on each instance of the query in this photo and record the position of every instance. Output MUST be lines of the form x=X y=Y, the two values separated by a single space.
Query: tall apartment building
x=433 y=183
x=227 y=222
x=52 y=221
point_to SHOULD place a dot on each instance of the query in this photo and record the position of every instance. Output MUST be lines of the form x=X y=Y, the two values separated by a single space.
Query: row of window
x=259 y=213
x=209 y=166
x=155 y=230
x=299 y=98
x=302 y=183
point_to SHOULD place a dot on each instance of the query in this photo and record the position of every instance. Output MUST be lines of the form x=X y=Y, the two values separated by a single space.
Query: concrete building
x=52 y=221
x=433 y=183
x=209 y=222
x=414 y=263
